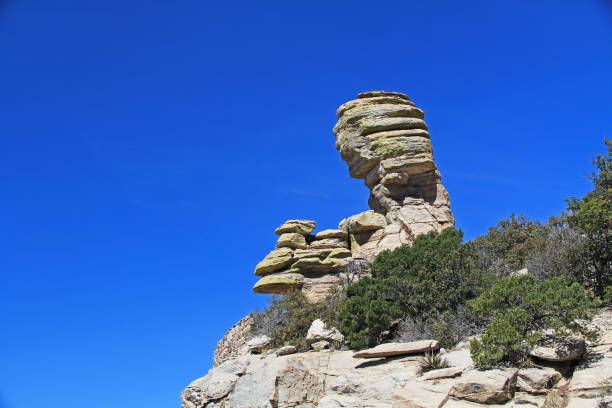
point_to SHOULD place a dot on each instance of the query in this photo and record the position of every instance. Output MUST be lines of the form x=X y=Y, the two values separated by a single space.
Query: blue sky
x=150 y=148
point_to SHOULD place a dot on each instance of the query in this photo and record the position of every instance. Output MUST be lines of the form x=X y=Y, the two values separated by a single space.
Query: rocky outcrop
x=333 y=379
x=383 y=138
x=312 y=263
x=234 y=342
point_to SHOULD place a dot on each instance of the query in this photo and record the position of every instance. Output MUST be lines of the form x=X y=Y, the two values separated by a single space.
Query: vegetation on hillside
x=433 y=277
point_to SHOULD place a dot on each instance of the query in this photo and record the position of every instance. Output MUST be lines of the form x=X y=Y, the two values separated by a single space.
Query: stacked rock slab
x=383 y=138
x=312 y=263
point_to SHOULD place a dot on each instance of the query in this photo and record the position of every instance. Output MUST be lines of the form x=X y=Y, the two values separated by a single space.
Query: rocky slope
x=333 y=379
x=383 y=138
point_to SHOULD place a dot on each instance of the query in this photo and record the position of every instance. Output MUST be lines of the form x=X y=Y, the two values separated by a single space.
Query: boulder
x=332 y=233
x=459 y=358
x=486 y=387
x=286 y=350
x=536 y=380
x=214 y=386
x=450 y=372
x=520 y=272
x=366 y=221
x=276 y=260
x=219 y=382
x=329 y=243
x=398 y=349
x=559 y=349
x=259 y=344
x=292 y=240
x=318 y=331
x=302 y=227
x=279 y=283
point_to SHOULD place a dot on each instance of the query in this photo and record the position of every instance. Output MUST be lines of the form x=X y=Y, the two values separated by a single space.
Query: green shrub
x=608 y=295
x=511 y=243
x=437 y=274
x=592 y=215
x=432 y=361
x=287 y=318
x=519 y=308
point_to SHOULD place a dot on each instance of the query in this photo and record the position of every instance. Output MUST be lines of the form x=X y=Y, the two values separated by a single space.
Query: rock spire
x=384 y=139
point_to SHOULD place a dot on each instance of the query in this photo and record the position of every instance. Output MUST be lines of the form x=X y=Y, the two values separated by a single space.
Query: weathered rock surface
x=286 y=350
x=302 y=227
x=259 y=344
x=279 y=283
x=398 y=349
x=332 y=233
x=559 y=349
x=384 y=140
x=488 y=387
x=319 y=331
x=292 y=240
x=450 y=372
x=421 y=395
x=275 y=261
x=537 y=380
x=234 y=342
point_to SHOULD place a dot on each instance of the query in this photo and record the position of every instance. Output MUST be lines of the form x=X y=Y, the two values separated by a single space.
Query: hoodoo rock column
x=383 y=138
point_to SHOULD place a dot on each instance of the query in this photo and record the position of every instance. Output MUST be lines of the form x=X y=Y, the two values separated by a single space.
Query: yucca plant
x=432 y=361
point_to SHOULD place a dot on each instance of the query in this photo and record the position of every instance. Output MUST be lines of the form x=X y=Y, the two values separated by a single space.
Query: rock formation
x=312 y=263
x=384 y=139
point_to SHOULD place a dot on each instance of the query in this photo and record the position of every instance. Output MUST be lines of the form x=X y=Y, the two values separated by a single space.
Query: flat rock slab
x=486 y=387
x=398 y=349
x=421 y=396
x=594 y=372
x=451 y=372
x=302 y=227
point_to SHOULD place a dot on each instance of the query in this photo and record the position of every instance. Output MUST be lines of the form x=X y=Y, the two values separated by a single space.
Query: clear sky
x=150 y=148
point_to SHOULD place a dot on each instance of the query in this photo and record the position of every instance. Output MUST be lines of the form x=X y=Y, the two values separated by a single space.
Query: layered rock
x=383 y=138
x=312 y=263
